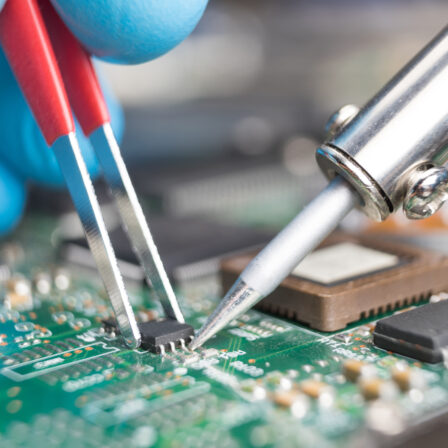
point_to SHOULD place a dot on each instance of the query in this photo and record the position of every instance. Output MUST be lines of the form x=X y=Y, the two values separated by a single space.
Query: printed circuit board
x=66 y=380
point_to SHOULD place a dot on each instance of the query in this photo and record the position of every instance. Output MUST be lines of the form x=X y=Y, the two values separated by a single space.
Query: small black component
x=110 y=325
x=420 y=333
x=157 y=336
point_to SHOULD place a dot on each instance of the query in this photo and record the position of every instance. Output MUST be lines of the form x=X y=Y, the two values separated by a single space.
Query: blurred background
x=224 y=128
x=256 y=82
x=255 y=73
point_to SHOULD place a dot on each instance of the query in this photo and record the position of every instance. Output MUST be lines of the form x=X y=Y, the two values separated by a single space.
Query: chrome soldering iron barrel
x=405 y=125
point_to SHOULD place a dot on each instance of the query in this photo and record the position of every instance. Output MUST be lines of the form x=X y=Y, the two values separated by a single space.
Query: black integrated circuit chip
x=159 y=336
x=420 y=333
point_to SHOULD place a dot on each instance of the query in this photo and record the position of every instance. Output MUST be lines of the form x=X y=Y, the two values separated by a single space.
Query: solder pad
x=328 y=293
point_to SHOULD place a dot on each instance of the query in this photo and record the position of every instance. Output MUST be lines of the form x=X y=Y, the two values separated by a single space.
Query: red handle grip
x=26 y=44
x=79 y=75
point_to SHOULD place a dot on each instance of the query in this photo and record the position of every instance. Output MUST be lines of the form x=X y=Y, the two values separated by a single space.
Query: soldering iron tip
x=238 y=300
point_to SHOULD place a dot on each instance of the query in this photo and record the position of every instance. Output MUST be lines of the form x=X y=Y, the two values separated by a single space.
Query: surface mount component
x=420 y=333
x=349 y=278
x=110 y=325
x=159 y=336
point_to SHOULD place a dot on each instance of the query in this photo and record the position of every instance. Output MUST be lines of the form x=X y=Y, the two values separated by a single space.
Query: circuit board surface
x=66 y=382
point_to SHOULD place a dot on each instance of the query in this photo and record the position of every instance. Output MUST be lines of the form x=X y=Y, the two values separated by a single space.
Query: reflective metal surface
x=73 y=168
x=340 y=119
x=405 y=125
x=267 y=270
x=300 y=237
x=131 y=213
x=238 y=300
x=374 y=202
x=427 y=192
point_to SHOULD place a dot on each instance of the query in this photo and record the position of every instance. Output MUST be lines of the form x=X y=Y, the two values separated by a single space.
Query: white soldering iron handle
x=402 y=129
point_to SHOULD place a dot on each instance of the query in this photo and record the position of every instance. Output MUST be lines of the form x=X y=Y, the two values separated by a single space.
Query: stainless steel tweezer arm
x=68 y=154
x=131 y=213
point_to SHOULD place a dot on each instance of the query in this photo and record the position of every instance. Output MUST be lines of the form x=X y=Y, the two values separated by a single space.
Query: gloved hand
x=122 y=31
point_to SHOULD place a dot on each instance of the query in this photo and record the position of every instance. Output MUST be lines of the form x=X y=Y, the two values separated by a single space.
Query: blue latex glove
x=124 y=31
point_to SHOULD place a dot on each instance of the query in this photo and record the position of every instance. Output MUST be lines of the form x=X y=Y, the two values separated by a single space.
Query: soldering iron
x=388 y=154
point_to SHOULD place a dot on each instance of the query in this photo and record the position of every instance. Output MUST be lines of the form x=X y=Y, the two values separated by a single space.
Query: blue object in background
x=130 y=31
x=12 y=199
x=23 y=148
x=124 y=31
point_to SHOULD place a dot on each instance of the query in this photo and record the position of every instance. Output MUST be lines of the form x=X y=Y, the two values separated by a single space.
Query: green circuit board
x=261 y=382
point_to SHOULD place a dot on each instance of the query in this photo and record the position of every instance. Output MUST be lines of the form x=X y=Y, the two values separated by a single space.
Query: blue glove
x=124 y=31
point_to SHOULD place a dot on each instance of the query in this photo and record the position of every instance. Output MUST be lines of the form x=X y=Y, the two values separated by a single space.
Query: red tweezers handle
x=26 y=44
x=81 y=82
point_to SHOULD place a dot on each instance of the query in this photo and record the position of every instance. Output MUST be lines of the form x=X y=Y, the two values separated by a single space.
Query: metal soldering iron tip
x=239 y=299
x=266 y=271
